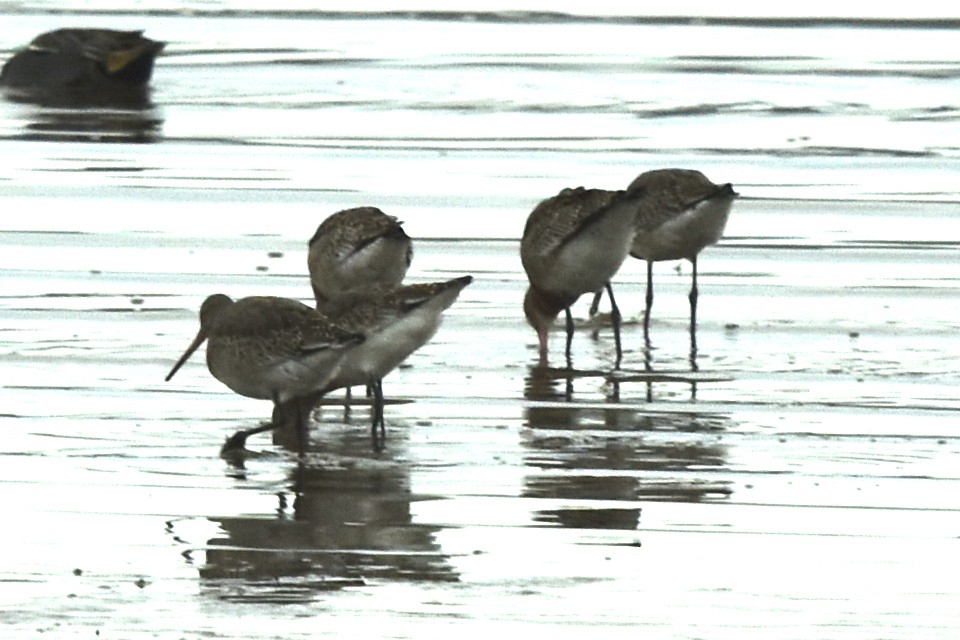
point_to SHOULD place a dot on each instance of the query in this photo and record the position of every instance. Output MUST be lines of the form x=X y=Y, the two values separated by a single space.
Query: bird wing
x=558 y=220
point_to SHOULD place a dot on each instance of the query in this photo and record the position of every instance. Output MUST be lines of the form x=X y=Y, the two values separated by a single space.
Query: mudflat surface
x=798 y=479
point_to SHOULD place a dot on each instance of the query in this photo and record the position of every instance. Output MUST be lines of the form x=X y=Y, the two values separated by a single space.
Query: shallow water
x=801 y=483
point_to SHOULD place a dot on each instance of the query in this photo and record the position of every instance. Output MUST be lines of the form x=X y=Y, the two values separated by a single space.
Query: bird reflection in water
x=342 y=523
x=649 y=376
x=93 y=125
x=606 y=456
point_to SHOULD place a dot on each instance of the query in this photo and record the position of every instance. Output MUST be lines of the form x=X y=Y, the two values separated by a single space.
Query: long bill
x=201 y=336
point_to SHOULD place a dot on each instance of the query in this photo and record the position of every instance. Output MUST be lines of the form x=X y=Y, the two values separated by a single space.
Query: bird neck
x=542 y=307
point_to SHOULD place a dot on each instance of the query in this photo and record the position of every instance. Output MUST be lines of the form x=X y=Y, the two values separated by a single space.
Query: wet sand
x=799 y=482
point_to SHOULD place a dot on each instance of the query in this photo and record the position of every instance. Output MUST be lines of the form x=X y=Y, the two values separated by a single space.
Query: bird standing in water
x=395 y=322
x=358 y=248
x=679 y=213
x=271 y=349
x=574 y=243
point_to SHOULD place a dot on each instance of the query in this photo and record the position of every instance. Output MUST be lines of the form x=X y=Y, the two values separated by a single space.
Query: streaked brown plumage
x=679 y=213
x=573 y=243
x=357 y=248
x=271 y=349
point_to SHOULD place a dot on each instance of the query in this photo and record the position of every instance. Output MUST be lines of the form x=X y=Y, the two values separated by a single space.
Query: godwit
x=394 y=323
x=573 y=244
x=83 y=63
x=679 y=213
x=271 y=349
x=357 y=248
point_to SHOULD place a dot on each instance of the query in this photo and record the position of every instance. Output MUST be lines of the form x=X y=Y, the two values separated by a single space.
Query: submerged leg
x=347 y=401
x=292 y=422
x=615 y=317
x=569 y=334
x=694 y=294
x=377 y=413
x=304 y=411
x=646 y=314
x=285 y=419
x=594 y=308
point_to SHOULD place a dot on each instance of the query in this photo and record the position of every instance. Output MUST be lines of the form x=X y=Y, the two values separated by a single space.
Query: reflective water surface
x=798 y=479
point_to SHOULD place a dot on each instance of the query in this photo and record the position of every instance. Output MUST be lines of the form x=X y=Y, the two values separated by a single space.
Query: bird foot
x=236 y=444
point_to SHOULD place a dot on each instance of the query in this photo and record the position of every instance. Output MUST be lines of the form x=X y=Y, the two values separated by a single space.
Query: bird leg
x=694 y=294
x=303 y=405
x=347 y=401
x=594 y=308
x=646 y=314
x=238 y=441
x=615 y=317
x=569 y=335
x=595 y=305
x=304 y=409
x=285 y=418
x=377 y=413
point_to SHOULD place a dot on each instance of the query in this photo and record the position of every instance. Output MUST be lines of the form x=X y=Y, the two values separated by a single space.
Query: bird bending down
x=574 y=243
x=680 y=212
x=395 y=322
x=86 y=65
x=271 y=349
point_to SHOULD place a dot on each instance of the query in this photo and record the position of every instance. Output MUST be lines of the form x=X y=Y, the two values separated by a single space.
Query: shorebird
x=93 y=64
x=271 y=349
x=357 y=248
x=679 y=213
x=574 y=243
x=394 y=323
